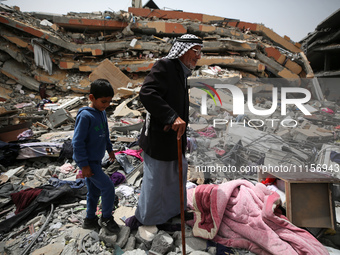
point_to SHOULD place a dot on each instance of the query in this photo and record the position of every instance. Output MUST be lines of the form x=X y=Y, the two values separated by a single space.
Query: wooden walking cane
x=181 y=192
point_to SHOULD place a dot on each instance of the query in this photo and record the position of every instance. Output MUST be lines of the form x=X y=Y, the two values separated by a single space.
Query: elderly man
x=165 y=96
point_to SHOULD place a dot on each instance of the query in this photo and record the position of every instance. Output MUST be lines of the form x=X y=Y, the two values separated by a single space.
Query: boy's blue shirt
x=91 y=136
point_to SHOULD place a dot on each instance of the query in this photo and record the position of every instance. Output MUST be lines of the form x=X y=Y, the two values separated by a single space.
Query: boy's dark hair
x=101 y=88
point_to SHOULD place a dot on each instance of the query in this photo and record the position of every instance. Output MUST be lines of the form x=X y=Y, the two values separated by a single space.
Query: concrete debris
x=246 y=137
x=322 y=50
x=133 y=40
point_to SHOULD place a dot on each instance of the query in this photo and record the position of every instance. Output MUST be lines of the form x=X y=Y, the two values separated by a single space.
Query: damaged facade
x=322 y=50
x=294 y=154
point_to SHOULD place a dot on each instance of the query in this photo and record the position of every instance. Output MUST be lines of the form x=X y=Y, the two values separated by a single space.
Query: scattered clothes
x=219 y=152
x=27 y=134
x=220 y=249
x=49 y=195
x=79 y=175
x=78 y=183
x=66 y=151
x=126 y=162
x=24 y=198
x=7 y=189
x=66 y=168
x=191 y=185
x=42 y=57
x=117 y=178
x=42 y=91
x=39 y=149
x=269 y=181
x=327 y=110
x=42 y=103
x=191 y=144
x=240 y=215
x=208 y=132
x=278 y=191
x=136 y=153
x=124 y=190
x=132 y=222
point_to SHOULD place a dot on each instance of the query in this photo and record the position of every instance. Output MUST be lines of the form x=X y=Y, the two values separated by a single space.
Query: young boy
x=90 y=141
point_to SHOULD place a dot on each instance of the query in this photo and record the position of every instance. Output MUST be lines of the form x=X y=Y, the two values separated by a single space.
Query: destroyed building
x=322 y=50
x=64 y=53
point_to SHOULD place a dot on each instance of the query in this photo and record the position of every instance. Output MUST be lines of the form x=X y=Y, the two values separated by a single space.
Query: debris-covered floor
x=42 y=194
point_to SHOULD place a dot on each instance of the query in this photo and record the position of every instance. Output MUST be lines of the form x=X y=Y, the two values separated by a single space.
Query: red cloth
x=269 y=181
x=24 y=198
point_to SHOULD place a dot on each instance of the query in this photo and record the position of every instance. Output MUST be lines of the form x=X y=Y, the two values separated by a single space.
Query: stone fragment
x=123 y=236
x=110 y=240
x=162 y=243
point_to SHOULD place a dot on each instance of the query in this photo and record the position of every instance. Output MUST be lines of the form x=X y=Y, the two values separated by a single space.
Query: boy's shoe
x=109 y=225
x=91 y=223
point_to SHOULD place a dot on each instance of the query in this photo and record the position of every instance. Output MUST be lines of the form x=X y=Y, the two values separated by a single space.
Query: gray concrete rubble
x=229 y=138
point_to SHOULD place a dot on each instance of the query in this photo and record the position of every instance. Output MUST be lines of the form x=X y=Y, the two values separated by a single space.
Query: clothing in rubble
x=24 y=198
x=49 y=195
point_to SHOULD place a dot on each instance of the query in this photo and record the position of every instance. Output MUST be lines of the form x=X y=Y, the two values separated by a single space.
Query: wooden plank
x=310 y=205
x=331 y=206
x=288 y=201
x=107 y=70
x=301 y=175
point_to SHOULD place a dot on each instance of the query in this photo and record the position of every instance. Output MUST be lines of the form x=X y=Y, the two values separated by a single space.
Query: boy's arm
x=112 y=156
x=78 y=141
x=108 y=141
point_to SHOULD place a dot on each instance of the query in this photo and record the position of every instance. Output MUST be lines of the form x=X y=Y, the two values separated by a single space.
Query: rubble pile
x=52 y=48
x=47 y=63
x=322 y=45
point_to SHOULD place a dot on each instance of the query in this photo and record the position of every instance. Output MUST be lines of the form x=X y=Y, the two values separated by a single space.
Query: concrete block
x=277 y=39
x=294 y=67
x=107 y=70
x=278 y=69
x=4 y=93
x=50 y=249
x=311 y=135
x=146 y=234
x=275 y=53
x=110 y=240
x=199 y=253
x=17 y=72
x=144 y=12
x=123 y=236
x=247 y=64
x=162 y=243
x=135 y=252
x=287 y=38
x=131 y=244
x=60 y=117
x=159 y=27
x=298 y=45
x=108 y=24
x=123 y=211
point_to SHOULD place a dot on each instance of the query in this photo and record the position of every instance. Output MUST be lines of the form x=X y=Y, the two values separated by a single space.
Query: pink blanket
x=242 y=215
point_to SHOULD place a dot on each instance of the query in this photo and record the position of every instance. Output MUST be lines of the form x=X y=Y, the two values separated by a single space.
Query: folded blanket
x=242 y=215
